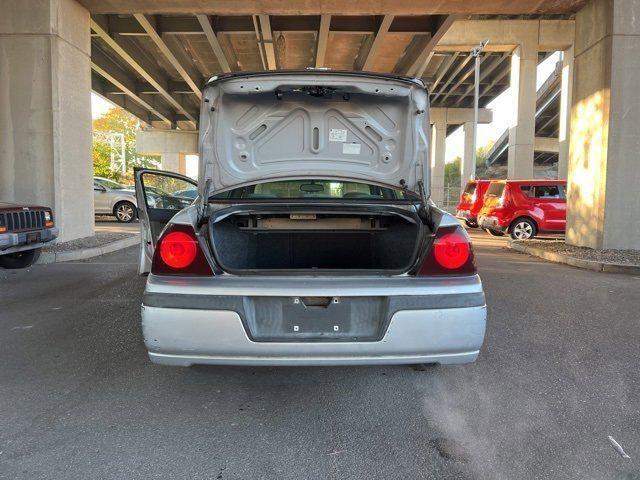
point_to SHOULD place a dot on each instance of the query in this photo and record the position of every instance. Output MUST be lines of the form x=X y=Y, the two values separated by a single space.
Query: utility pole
x=475 y=52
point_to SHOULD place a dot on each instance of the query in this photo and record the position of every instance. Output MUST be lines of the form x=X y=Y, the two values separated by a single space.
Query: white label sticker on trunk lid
x=351 y=148
x=337 y=135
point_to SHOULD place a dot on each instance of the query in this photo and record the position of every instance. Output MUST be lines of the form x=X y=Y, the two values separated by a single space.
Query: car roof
x=531 y=182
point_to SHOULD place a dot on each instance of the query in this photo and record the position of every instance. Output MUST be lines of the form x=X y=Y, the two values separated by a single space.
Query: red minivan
x=471 y=201
x=524 y=208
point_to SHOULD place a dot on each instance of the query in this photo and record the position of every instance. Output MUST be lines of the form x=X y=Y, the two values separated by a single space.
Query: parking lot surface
x=558 y=374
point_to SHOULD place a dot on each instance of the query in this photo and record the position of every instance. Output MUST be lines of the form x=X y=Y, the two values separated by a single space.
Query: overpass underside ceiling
x=336 y=7
x=160 y=62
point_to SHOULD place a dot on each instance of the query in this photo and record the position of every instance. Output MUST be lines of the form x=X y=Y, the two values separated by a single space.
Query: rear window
x=315 y=189
x=542 y=191
x=495 y=190
x=470 y=188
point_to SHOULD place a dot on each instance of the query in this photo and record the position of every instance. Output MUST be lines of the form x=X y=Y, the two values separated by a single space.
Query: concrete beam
x=323 y=39
x=106 y=90
x=103 y=66
x=417 y=67
x=376 y=43
x=205 y=24
x=483 y=74
x=149 y=27
x=170 y=25
x=505 y=35
x=459 y=116
x=171 y=145
x=333 y=7
x=442 y=71
x=546 y=144
x=470 y=71
x=160 y=84
x=454 y=74
x=267 y=42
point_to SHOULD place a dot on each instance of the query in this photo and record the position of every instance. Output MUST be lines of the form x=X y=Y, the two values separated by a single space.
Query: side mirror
x=99 y=188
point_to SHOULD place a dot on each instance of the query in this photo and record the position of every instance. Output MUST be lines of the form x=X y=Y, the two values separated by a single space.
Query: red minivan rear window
x=470 y=188
x=495 y=190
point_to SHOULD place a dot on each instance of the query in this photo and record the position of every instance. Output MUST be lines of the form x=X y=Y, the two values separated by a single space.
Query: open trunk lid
x=313 y=124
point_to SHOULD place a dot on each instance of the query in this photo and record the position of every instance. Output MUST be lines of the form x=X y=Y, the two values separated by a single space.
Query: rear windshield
x=470 y=188
x=495 y=190
x=315 y=189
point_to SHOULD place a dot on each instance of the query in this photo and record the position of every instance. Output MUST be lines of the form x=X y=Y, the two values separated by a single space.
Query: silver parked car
x=112 y=198
x=312 y=240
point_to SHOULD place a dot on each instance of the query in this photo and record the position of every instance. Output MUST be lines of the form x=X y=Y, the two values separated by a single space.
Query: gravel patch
x=622 y=257
x=98 y=240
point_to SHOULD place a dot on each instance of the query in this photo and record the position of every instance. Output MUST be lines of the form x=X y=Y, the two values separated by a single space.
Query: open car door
x=160 y=196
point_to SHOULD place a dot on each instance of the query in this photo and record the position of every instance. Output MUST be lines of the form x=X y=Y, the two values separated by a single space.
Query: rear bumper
x=16 y=242
x=465 y=215
x=183 y=338
x=175 y=335
x=491 y=223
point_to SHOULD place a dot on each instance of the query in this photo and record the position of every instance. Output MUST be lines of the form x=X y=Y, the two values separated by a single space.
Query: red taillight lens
x=452 y=250
x=451 y=254
x=178 y=249
x=178 y=253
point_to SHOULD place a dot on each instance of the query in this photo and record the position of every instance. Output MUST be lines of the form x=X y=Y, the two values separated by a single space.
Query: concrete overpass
x=547 y=127
x=151 y=57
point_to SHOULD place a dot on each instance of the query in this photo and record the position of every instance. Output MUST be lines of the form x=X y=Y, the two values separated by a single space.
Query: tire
x=494 y=233
x=125 y=212
x=523 y=229
x=471 y=224
x=23 y=259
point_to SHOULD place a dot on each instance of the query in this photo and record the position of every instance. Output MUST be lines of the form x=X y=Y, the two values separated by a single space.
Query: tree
x=452 y=172
x=117 y=121
x=452 y=169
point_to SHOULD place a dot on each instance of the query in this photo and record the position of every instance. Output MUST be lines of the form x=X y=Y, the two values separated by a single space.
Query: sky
x=455 y=142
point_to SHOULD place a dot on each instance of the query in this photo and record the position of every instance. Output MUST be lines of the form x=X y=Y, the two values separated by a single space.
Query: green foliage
x=117 y=121
x=452 y=172
x=102 y=161
x=452 y=169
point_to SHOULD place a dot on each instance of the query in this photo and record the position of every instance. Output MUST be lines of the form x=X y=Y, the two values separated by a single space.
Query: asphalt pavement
x=557 y=375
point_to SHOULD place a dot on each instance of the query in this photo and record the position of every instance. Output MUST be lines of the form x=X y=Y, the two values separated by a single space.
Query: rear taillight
x=451 y=254
x=178 y=252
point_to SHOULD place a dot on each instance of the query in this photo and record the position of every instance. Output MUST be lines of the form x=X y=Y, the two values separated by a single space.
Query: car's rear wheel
x=494 y=233
x=523 y=229
x=125 y=212
x=471 y=224
x=22 y=259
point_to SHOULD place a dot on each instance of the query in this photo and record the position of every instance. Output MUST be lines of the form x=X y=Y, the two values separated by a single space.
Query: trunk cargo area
x=294 y=240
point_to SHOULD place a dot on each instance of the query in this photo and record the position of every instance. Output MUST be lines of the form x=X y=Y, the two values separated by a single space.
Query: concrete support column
x=45 y=110
x=438 y=151
x=566 y=92
x=603 y=205
x=467 y=168
x=524 y=63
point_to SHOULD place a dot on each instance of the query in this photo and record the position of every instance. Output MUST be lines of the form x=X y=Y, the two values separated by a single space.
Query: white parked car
x=112 y=198
x=312 y=240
